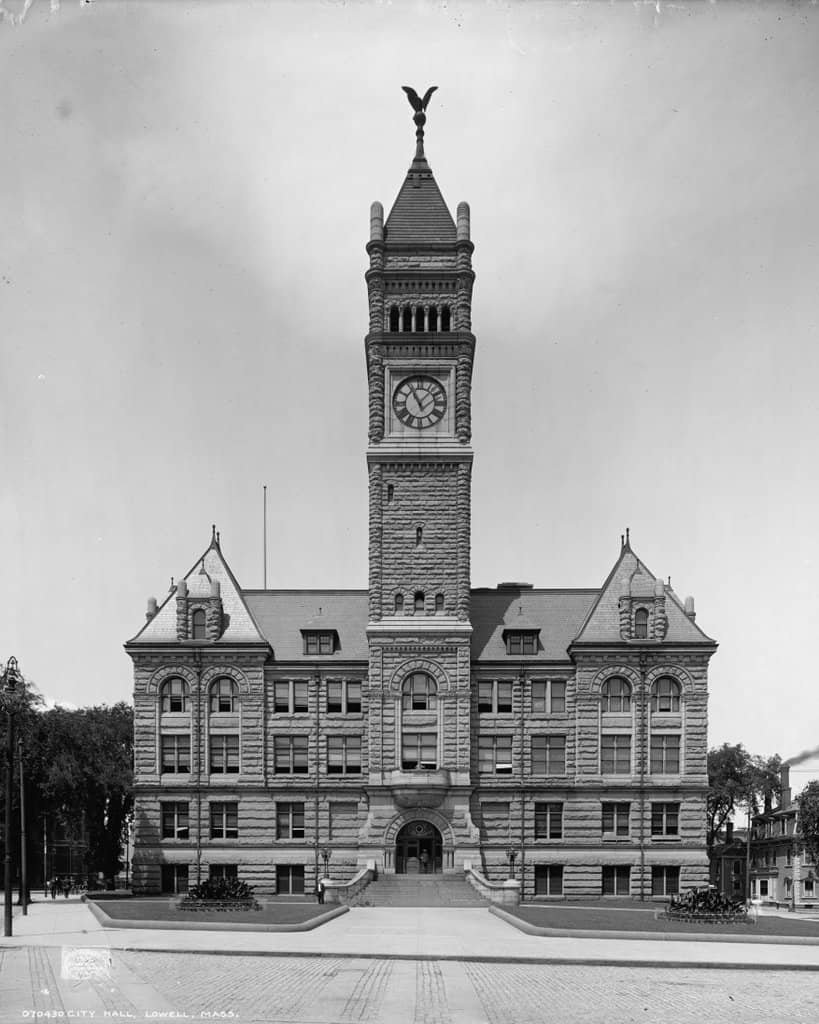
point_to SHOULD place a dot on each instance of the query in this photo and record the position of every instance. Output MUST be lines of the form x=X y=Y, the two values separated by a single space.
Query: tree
x=736 y=777
x=83 y=763
x=808 y=801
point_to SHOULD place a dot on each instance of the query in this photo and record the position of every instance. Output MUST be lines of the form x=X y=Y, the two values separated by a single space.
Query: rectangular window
x=616 y=820
x=665 y=881
x=224 y=754
x=343 y=698
x=665 y=819
x=175 y=820
x=223 y=871
x=344 y=821
x=290 y=879
x=763 y=886
x=548 y=755
x=616 y=880
x=290 y=755
x=807 y=887
x=343 y=755
x=615 y=754
x=495 y=755
x=548 y=697
x=521 y=642
x=319 y=642
x=290 y=697
x=494 y=697
x=665 y=755
x=548 y=821
x=419 y=750
x=548 y=879
x=176 y=753
x=290 y=821
x=224 y=821
x=174 y=879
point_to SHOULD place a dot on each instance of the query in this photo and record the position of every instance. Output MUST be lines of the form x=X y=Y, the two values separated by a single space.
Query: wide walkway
x=407 y=932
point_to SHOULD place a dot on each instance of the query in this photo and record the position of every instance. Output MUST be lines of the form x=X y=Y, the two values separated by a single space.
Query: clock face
x=419 y=401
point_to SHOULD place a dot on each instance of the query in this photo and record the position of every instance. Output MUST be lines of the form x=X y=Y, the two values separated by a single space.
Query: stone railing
x=343 y=892
x=506 y=893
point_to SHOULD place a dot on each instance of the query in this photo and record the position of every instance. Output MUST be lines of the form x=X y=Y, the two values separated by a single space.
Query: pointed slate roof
x=419 y=214
x=630 y=576
x=241 y=626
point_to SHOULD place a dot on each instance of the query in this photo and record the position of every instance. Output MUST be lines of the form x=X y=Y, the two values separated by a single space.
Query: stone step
x=419 y=891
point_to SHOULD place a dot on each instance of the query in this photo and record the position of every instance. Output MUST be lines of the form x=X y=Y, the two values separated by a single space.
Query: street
x=141 y=985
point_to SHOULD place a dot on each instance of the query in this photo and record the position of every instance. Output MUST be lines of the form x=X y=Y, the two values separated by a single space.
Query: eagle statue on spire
x=419 y=105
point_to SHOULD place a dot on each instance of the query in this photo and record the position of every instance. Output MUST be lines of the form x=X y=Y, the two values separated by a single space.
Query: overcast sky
x=184 y=208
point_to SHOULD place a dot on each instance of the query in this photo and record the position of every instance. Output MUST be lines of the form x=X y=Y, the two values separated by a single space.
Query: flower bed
x=221 y=906
x=220 y=894
x=705 y=906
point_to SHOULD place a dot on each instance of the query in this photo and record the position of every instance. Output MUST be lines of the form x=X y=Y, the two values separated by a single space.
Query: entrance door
x=418 y=849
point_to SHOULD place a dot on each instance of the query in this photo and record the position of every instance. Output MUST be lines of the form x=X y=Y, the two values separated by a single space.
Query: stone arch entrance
x=419 y=849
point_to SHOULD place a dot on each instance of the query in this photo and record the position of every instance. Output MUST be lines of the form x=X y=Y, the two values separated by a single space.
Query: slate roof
x=419 y=213
x=630 y=575
x=210 y=566
x=282 y=614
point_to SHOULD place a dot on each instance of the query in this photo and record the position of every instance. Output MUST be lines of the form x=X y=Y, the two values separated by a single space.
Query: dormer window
x=521 y=641
x=198 y=624
x=641 y=624
x=319 y=641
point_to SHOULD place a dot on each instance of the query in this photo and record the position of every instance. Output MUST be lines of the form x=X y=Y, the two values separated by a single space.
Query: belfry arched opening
x=419 y=849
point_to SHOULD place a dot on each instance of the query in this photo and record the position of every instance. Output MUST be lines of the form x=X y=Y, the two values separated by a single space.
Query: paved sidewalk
x=406 y=932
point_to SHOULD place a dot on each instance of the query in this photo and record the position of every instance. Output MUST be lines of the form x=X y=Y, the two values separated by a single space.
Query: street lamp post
x=9 y=677
x=23 y=868
x=325 y=856
x=511 y=853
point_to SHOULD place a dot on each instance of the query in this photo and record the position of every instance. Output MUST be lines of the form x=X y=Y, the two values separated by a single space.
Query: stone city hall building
x=421 y=724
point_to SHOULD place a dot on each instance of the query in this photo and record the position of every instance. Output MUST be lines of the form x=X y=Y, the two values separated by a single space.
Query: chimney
x=689 y=608
x=785 y=783
x=151 y=608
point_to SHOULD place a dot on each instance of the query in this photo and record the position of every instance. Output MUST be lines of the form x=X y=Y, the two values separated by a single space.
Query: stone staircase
x=419 y=891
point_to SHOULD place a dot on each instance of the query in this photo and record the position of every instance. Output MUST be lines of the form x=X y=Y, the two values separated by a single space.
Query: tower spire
x=420 y=118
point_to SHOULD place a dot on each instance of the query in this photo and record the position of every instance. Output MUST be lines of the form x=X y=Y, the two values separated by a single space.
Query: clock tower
x=419 y=351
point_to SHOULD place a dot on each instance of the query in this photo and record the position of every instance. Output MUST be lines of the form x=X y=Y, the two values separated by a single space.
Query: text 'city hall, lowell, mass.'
x=421 y=724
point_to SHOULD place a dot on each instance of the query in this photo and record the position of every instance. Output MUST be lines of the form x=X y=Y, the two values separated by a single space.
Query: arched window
x=445 y=318
x=394 y=319
x=419 y=693
x=439 y=602
x=174 y=694
x=419 y=536
x=198 y=624
x=399 y=604
x=616 y=695
x=665 y=695
x=406 y=319
x=641 y=624
x=223 y=695
x=390 y=492
x=433 y=318
x=419 y=601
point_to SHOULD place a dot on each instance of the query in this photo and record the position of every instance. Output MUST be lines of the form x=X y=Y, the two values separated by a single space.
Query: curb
x=213 y=926
x=585 y=933
x=578 y=961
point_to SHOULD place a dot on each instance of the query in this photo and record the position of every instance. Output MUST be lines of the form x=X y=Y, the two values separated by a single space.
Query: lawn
x=163 y=908
x=636 y=917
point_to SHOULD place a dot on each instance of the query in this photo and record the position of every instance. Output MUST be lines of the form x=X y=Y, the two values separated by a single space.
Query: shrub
x=221 y=889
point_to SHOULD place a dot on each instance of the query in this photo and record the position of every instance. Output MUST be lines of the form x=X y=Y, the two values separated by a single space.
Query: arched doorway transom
x=419 y=849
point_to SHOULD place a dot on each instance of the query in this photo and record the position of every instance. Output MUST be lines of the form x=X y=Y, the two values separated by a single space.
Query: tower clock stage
x=420 y=723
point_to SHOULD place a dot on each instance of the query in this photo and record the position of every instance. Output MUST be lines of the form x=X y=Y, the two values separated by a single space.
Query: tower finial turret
x=420 y=118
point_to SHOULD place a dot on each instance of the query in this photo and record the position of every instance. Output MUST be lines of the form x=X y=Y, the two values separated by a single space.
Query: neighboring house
x=421 y=723
x=729 y=862
x=782 y=871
